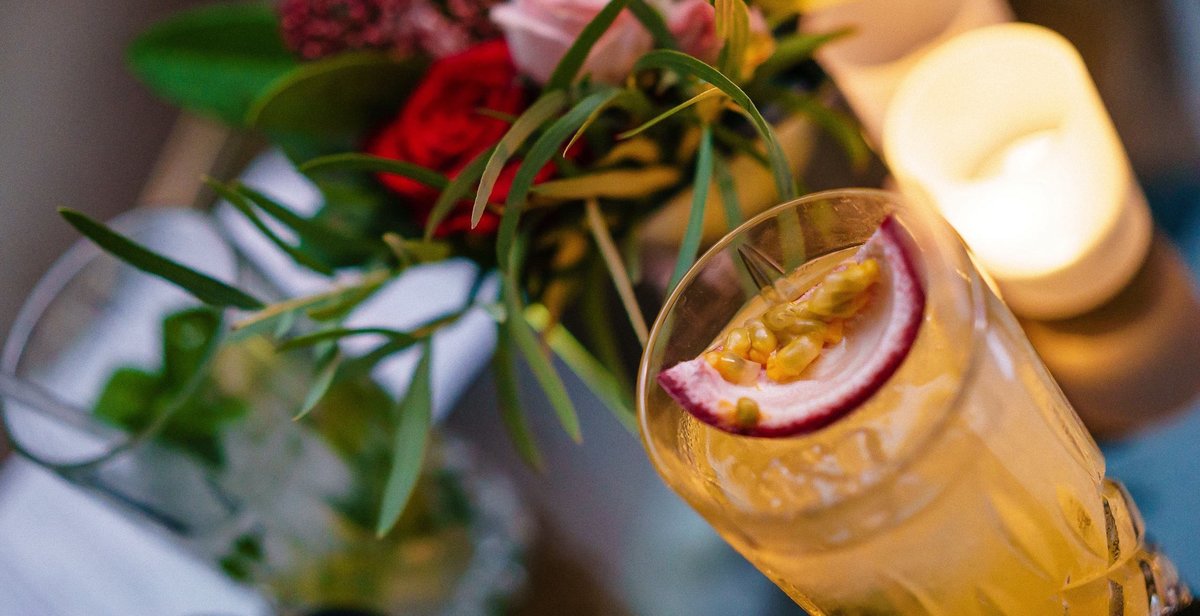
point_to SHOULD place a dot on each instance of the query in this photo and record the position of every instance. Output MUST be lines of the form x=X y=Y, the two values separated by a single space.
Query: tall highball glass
x=965 y=484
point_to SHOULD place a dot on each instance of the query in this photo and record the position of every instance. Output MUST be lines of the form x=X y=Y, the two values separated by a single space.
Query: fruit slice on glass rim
x=800 y=365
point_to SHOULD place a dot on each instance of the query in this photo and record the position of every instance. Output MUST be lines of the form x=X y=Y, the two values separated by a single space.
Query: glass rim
x=978 y=323
x=49 y=286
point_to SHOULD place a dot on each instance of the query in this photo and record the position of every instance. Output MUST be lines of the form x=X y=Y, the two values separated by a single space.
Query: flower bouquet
x=537 y=138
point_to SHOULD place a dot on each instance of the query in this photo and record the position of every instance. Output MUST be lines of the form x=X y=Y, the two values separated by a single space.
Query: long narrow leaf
x=337 y=333
x=613 y=184
x=311 y=231
x=533 y=118
x=540 y=153
x=654 y=22
x=842 y=128
x=411 y=440
x=321 y=383
x=709 y=93
x=616 y=269
x=243 y=206
x=733 y=217
x=633 y=101
x=507 y=394
x=353 y=161
x=458 y=189
x=541 y=365
x=206 y=289
x=369 y=283
x=687 y=65
x=589 y=369
x=695 y=226
x=733 y=28
x=794 y=49
x=573 y=60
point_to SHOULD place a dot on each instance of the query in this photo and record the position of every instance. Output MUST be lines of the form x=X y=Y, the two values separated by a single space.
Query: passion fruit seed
x=738 y=341
x=762 y=342
x=733 y=368
x=789 y=336
x=746 y=413
x=789 y=362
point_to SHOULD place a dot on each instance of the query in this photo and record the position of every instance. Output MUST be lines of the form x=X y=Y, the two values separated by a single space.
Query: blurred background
x=76 y=130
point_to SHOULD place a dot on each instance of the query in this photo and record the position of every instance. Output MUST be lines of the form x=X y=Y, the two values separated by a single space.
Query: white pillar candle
x=888 y=37
x=1003 y=130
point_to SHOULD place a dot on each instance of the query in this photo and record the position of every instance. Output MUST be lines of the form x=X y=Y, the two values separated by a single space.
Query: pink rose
x=539 y=32
x=694 y=24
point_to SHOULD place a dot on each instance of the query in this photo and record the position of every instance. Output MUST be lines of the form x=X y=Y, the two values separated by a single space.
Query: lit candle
x=888 y=38
x=1003 y=130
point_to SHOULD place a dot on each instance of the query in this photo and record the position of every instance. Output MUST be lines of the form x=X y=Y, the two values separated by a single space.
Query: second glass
x=964 y=485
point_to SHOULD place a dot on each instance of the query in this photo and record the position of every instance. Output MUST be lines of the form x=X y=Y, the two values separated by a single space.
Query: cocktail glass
x=965 y=484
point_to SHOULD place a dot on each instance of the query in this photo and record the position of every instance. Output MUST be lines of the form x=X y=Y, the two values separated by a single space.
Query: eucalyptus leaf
x=321 y=236
x=343 y=94
x=530 y=120
x=214 y=60
x=575 y=57
x=614 y=184
x=458 y=188
x=695 y=226
x=205 y=288
x=321 y=382
x=540 y=153
x=507 y=394
x=541 y=365
x=414 y=419
x=589 y=369
x=353 y=161
x=244 y=207
x=684 y=64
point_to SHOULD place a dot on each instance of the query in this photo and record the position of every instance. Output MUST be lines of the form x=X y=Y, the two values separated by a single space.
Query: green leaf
x=533 y=118
x=353 y=161
x=310 y=231
x=206 y=289
x=585 y=366
x=709 y=93
x=337 y=333
x=687 y=65
x=792 y=50
x=242 y=205
x=321 y=382
x=411 y=440
x=616 y=269
x=575 y=57
x=733 y=218
x=654 y=22
x=631 y=100
x=843 y=129
x=342 y=95
x=410 y=251
x=538 y=155
x=369 y=283
x=214 y=60
x=541 y=365
x=695 y=226
x=458 y=188
x=733 y=28
x=507 y=394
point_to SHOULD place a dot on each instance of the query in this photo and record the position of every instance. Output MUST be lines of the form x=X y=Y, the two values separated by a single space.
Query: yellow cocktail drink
x=963 y=484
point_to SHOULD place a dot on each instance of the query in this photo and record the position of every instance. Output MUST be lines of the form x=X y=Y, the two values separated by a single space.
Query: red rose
x=441 y=128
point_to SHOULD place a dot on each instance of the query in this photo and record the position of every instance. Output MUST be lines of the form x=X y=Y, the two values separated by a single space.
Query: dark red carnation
x=441 y=127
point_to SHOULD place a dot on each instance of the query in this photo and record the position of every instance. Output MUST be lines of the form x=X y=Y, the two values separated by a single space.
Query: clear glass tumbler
x=964 y=485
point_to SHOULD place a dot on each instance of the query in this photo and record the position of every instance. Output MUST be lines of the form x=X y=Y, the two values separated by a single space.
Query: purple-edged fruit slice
x=801 y=365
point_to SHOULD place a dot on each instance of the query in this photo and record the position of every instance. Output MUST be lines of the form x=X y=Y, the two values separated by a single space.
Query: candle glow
x=1003 y=131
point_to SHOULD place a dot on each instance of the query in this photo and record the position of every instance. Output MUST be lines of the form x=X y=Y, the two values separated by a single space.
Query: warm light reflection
x=1003 y=131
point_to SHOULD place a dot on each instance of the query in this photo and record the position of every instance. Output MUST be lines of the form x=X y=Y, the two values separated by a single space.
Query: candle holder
x=887 y=39
x=1002 y=129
